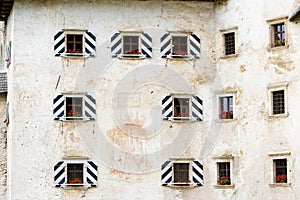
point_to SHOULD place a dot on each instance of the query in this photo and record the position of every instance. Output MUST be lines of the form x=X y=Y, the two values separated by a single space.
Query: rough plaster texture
x=132 y=124
x=3 y=150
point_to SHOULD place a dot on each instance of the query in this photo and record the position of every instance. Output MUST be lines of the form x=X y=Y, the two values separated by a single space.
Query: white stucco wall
x=123 y=130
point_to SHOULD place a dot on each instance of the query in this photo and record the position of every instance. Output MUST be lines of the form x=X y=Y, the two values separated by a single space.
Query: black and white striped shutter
x=90 y=43
x=59 y=43
x=59 y=173
x=165 y=45
x=195 y=45
x=197 y=173
x=90 y=107
x=58 y=107
x=167 y=109
x=116 y=44
x=92 y=171
x=166 y=173
x=146 y=45
x=197 y=111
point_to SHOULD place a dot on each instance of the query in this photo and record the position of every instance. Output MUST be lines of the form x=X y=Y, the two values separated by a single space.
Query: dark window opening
x=181 y=107
x=224 y=173
x=226 y=110
x=74 y=108
x=74 y=43
x=280 y=170
x=131 y=45
x=75 y=173
x=181 y=173
x=279 y=34
x=229 y=39
x=179 y=45
x=278 y=102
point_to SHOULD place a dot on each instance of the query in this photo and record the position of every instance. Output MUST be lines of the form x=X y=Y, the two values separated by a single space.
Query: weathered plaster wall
x=135 y=127
x=3 y=149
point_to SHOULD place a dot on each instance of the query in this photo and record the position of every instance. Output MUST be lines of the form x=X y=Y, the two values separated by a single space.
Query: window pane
x=226 y=110
x=179 y=45
x=278 y=102
x=131 y=44
x=224 y=173
x=74 y=43
x=229 y=40
x=181 y=172
x=74 y=107
x=75 y=173
x=280 y=170
x=181 y=107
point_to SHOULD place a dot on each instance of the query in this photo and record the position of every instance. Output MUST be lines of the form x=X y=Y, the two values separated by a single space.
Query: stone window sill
x=223 y=186
x=274 y=185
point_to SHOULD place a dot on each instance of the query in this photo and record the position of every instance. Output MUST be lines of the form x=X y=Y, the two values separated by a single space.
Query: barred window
x=224 y=173
x=181 y=172
x=229 y=39
x=280 y=166
x=75 y=43
x=278 y=102
x=179 y=45
x=74 y=173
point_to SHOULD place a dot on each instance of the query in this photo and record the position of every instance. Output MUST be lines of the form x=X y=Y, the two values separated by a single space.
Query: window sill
x=180 y=57
x=181 y=185
x=75 y=186
x=132 y=56
x=223 y=186
x=182 y=119
x=229 y=56
x=71 y=119
x=274 y=185
x=278 y=48
x=225 y=120
x=75 y=55
x=279 y=116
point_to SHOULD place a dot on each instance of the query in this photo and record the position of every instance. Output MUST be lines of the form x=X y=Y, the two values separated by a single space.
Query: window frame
x=224 y=32
x=279 y=156
x=271 y=90
x=74 y=54
x=182 y=118
x=84 y=172
x=189 y=171
x=135 y=55
x=74 y=118
x=67 y=172
x=272 y=23
x=223 y=159
x=219 y=106
x=187 y=54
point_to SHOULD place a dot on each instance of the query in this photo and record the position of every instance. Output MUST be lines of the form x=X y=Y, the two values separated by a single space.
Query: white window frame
x=65 y=117
x=223 y=159
x=226 y=31
x=271 y=24
x=75 y=55
x=219 y=96
x=76 y=161
x=275 y=156
x=184 y=184
x=178 y=96
x=274 y=88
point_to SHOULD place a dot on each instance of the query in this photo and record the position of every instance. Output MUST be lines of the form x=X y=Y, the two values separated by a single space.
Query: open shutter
x=146 y=45
x=116 y=44
x=197 y=112
x=197 y=173
x=195 y=45
x=167 y=109
x=90 y=43
x=59 y=43
x=90 y=107
x=58 y=107
x=166 y=173
x=8 y=54
x=91 y=176
x=59 y=173
x=165 y=45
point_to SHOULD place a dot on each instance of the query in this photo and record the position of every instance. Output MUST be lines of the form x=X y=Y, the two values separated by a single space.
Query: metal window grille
x=75 y=173
x=229 y=39
x=181 y=172
x=278 y=102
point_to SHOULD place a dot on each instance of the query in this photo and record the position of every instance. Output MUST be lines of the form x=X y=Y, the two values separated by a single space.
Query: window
x=182 y=108
x=180 y=45
x=280 y=166
x=224 y=173
x=74 y=107
x=182 y=172
x=75 y=172
x=74 y=43
x=279 y=34
x=278 y=102
x=226 y=107
x=278 y=99
x=229 y=42
x=131 y=45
